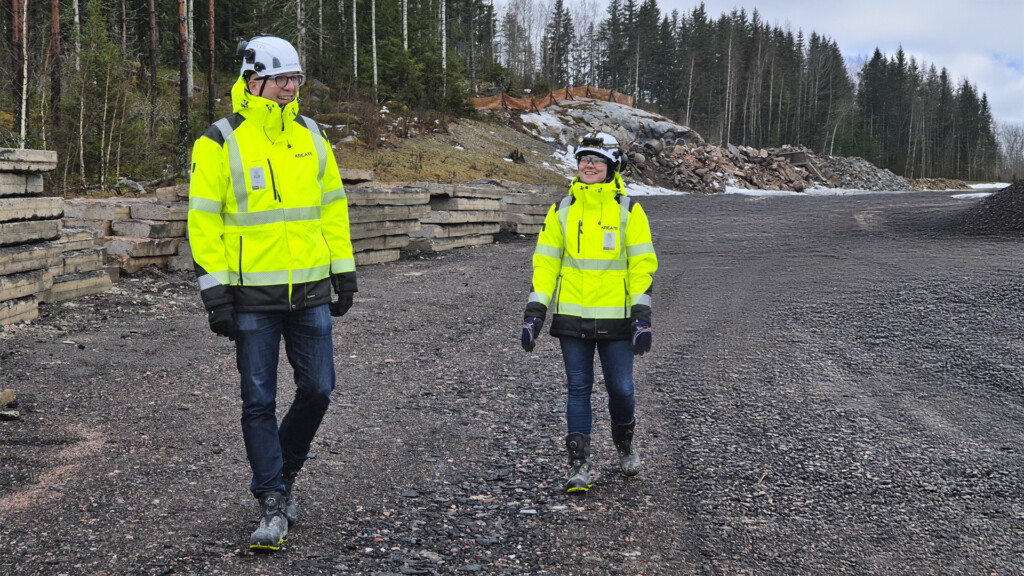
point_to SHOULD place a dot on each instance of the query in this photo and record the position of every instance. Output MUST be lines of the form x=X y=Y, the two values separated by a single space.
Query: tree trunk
x=103 y=130
x=373 y=41
x=152 y=67
x=300 y=20
x=78 y=35
x=444 y=53
x=320 y=32
x=124 y=28
x=355 y=46
x=405 y=25
x=55 y=63
x=183 y=75
x=689 y=89
x=211 y=86
x=191 y=30
x=19 y=62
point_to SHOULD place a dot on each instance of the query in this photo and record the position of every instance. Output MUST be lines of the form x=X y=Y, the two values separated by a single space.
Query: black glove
x=531 y=331
x=342 y=304
x=641 y=337
x=222 y=320
x=344 y=285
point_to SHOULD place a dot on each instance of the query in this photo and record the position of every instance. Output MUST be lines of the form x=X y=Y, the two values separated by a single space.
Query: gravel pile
x=858 y=174
x=1001 y=214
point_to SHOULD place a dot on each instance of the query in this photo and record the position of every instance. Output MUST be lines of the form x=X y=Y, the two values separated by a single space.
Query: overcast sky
x=980 y=40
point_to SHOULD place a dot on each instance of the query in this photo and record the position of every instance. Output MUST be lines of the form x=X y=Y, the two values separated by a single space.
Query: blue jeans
x=617 y=366
x=310 y=350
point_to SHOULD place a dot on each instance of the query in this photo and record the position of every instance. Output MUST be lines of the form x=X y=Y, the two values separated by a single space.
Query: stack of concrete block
x=460 y=216
x=39 y=260
x=29 y=230
x=137 y=232
x=525 y=207
x=381 y=220
x=82 y=270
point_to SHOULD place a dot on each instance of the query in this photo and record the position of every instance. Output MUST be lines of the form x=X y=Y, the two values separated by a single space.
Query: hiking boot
x=291 y=508
x=578 y=445
x=273 y=530
x=622 y=436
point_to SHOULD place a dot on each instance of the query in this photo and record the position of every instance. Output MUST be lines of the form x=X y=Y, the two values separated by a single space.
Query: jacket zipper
x=240 y=281
x=273 y=185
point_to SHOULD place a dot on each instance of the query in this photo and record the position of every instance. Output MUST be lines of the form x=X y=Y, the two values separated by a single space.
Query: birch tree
x=55 y=64
x=183 y=74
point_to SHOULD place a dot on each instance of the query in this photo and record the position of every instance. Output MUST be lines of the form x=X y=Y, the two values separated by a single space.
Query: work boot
x=273 y=530
x=622 y=436
x=578 y=445
x=291 y=508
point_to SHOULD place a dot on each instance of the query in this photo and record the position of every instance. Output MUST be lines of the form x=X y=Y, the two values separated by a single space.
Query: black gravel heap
x=1001 y=214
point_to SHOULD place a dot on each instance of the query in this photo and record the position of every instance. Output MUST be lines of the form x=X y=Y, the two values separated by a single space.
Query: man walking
x=268 y=224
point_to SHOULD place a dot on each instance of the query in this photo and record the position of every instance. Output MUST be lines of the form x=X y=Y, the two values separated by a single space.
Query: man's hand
x=641 y=337
x=342 y=304
x=222 y=320
x=531 y=330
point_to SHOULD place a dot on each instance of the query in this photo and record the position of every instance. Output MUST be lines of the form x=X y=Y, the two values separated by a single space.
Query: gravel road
x=836 y=387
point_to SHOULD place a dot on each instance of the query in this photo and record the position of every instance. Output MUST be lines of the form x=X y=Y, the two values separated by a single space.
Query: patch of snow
x=507 y=159
x=971 y=196
x=989 y=185
x=457 y=147
x=637 y=189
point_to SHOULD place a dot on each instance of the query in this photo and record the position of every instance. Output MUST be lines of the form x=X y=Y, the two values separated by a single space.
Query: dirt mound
x=1001 y=214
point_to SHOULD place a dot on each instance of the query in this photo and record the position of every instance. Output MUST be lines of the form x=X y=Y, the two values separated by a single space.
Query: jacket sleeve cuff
x=344 y=282
x=640 y=312
x=535 y=310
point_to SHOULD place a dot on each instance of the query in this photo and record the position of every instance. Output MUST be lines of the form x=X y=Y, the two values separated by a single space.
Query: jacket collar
x=269 y=115
x=600 y=192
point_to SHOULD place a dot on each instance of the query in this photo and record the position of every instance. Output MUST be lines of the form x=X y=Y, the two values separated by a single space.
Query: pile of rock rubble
x=707 y=168
x=859 y=174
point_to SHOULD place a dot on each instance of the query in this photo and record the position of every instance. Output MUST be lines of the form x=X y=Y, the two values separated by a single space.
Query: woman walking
x=594 y=266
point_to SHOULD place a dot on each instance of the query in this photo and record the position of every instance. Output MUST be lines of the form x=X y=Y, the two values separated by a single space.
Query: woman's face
x=592 y=169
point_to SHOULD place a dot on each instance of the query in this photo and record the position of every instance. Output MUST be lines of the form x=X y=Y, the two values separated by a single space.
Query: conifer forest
x=123 y=87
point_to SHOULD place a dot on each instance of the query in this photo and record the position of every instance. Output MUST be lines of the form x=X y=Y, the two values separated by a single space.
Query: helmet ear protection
x=248 y=56
x=268 y=55
x=601 y=144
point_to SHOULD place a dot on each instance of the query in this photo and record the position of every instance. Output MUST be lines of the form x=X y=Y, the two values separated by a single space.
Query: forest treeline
x=122 y=87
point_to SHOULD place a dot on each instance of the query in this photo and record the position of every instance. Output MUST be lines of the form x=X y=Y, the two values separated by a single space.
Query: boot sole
x=576 y=489
x=267 y=547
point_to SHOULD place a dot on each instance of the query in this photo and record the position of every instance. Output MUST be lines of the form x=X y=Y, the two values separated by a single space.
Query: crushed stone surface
x=836 y=387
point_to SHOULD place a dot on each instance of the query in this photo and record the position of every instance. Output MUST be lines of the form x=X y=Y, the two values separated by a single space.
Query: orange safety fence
x=535 y=103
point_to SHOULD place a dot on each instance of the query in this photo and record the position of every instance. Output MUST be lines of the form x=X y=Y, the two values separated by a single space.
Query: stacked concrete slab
x=39 y=260
x=460 y=216
x=526 y=205
x=381 y=220
x=137 y=232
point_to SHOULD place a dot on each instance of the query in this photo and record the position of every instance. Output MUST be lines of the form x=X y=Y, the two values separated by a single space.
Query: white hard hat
x=601 y=144
x=268 y=56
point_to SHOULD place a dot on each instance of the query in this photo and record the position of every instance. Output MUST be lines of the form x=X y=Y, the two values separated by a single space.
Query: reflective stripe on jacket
x=268 y=217
x=594 y=263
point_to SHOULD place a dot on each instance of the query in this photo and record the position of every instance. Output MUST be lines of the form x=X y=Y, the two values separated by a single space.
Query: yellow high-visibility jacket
x=267 y=213
x=594 y=263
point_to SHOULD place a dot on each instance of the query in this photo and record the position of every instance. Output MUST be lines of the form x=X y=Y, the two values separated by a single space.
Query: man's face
x=281 y=89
